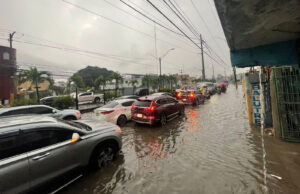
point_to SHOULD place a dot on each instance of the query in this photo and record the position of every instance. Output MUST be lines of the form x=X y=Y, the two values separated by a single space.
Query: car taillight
x=107 y=112
x=179 y=94
x=192 y=95
x=151 y=108
x=132 y=106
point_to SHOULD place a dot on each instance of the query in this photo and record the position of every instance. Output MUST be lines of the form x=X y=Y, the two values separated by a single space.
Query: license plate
x=140 y=115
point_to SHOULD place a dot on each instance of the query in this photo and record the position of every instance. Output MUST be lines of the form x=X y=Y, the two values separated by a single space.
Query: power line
x=119 y=23
x=193 y=32
x=172 y=23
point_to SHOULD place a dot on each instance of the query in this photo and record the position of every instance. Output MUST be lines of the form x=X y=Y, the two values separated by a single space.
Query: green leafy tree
x=78 y=81
x=133 y=84
x=35 y=77
x=118 y=79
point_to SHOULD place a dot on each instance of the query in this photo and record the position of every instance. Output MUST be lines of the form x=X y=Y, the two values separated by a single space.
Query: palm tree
x=35 y=77
x=99 y=81
x=146 y=81
x=118 y=78
x=133 y=82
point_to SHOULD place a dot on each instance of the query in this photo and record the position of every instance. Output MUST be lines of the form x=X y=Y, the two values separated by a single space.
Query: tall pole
x=213 y=68
x=76 y=99
x=11 y=60
x=203 y=67
x=159 y=59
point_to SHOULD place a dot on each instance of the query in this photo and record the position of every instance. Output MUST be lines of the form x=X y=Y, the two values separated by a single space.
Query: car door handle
x=41 y=156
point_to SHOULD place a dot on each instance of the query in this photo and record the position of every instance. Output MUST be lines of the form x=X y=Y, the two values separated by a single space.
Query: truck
x=90 y=97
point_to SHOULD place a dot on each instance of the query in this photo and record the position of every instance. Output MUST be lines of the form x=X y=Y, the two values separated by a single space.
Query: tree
x=99 y=81
x=35 y=77
x=118 y=79
x=133 y=83
x=146 y=81
x=91 y=73
x=78 y=81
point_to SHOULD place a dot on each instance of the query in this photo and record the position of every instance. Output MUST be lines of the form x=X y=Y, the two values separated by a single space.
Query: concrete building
x=7 y=71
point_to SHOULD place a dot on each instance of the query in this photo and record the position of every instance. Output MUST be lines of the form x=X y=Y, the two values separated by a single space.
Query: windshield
x=145 y=103
x=110 y=105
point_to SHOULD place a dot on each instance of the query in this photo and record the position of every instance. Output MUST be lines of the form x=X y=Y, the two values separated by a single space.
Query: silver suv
x=36 y=149
x=67 y=114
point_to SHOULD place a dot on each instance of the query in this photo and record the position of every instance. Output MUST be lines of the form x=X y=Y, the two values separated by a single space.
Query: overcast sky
x=122 y=40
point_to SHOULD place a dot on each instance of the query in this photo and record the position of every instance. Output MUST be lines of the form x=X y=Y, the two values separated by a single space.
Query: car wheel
x=163 y=120
x=97 y=100
x=104 y=155
x=121 y=121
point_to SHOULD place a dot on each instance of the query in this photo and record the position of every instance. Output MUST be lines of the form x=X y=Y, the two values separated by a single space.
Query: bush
x=63 y=102
x=166 y=90
x=24 y=101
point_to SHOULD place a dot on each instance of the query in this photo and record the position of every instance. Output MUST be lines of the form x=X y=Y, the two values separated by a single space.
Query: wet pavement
x=213 y=149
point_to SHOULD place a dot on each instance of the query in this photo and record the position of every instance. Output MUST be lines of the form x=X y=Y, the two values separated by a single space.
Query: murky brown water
x=212 y=150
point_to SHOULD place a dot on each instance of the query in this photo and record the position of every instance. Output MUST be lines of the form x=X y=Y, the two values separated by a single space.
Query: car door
x=172 y=106
x=14 y=166
x=127 y=108
x=50 y=153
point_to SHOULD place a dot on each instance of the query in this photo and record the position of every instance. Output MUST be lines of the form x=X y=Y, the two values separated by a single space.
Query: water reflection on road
x=210 y=150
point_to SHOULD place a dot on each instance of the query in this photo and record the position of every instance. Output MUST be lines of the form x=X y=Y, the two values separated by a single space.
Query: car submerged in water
x=155 y=109
x=35 y=149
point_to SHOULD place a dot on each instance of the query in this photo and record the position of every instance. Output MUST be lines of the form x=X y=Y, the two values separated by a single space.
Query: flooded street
x=211 y=150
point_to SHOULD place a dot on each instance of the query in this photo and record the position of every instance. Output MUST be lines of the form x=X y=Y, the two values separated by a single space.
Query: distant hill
x=91 y=73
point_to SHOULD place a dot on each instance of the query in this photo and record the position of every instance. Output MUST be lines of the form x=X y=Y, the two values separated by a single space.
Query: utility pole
x=159 y=59
x=225 y=74
x=213 y=68
x=203 y=67
x=11 y=60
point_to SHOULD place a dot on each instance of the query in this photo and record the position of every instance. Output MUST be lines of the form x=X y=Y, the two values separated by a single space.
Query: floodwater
x=210 y=150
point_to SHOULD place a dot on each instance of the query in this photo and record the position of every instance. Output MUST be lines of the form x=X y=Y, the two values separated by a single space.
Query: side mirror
x=54 y=111
x=75 y=137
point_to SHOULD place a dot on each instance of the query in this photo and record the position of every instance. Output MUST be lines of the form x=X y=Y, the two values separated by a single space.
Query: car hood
x=98 y=125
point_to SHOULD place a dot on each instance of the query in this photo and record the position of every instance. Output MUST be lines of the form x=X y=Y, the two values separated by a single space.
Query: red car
x=155 y=109
x=193 y=97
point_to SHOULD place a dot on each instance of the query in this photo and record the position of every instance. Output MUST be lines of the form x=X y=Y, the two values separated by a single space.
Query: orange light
x=132 y=106
x=192 y=94
x=151 y=108
x=118 y=130
x=179 y=94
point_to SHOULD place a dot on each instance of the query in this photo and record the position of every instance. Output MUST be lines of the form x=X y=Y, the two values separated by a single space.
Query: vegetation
x=78 y=81
x=118 y=79
x=165 y=81
x=24 y=101
x=35 y=77
x=133 y=84
x=91 y=74
x=63 y=102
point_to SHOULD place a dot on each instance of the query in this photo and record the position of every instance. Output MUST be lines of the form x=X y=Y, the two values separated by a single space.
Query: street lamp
x=76 y=95
x=159 y=59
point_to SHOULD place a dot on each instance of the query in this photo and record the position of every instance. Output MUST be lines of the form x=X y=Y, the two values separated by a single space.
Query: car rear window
x=110 y=105
x=143 y=103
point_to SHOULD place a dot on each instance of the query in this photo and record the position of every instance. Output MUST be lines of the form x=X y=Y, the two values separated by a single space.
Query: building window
x=5 y=56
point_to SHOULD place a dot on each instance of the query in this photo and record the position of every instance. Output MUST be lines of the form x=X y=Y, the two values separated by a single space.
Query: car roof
x=22 y=107
x=16 y=120
x=154 y=97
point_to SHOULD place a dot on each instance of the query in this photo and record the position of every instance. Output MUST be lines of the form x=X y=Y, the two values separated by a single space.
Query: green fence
x=287 y=84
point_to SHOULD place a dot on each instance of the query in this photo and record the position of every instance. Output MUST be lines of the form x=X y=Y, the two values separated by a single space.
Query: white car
x=117 y=111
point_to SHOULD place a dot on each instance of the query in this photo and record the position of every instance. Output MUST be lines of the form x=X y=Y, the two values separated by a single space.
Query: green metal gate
x=287 y=84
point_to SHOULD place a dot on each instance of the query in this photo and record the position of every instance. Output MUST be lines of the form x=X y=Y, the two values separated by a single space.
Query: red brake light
x=132 y=106
x=107 y=112
x=192 y=94
x=151 y=108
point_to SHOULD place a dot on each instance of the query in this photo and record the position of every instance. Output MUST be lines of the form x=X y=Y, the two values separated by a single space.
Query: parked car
x=37 y=149
x=142 y=92
x=49 y=100
x=67 y=114
x=163 y=93
x=128 y=97
x=90 y=97
x=117 y=111
x=156 y=109
x=193 y=97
